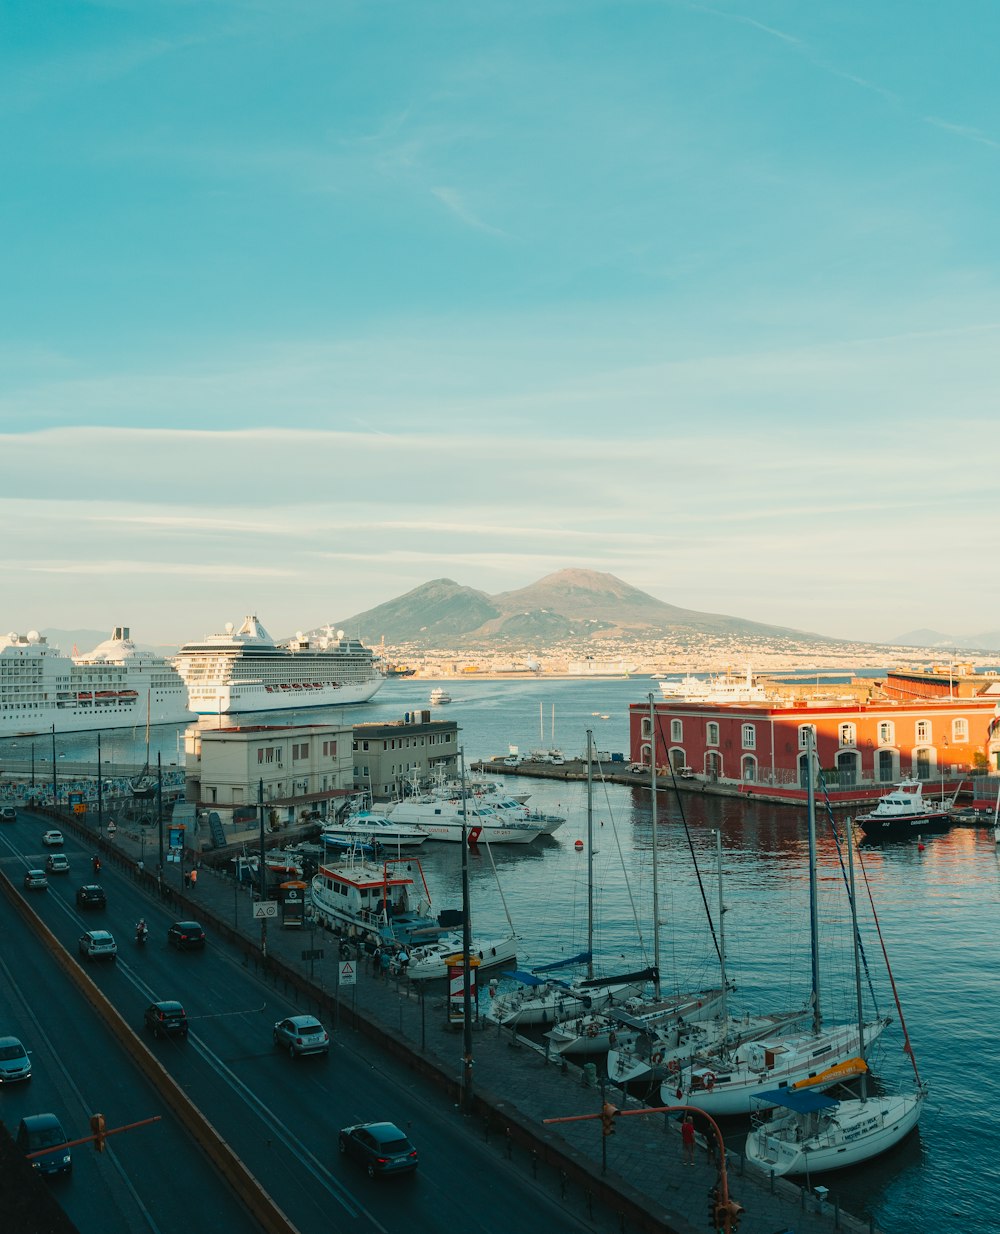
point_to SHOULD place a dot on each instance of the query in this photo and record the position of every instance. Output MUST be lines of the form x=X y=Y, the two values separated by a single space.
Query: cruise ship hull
x=129 y=713
x=253 y=696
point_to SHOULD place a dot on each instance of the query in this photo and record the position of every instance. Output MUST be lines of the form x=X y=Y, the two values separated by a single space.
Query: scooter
x=141 y=934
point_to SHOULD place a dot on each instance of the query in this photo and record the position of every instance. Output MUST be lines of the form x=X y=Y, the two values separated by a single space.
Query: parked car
x=8 y=814
x=512 y=760
x=40 y=1131
x=380 y=1147
x=36 y=880
x=166 y=1019
x=98 y=945
x=90 y=895
x=186 y=935
x=15 y=1063
x=302 y=1034
x=57 y=863
x=52 y=839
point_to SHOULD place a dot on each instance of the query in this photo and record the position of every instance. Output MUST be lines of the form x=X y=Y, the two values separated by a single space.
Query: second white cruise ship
x=245 y=670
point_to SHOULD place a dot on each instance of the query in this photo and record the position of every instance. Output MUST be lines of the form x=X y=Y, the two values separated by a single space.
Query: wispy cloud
x=454 y=202
x=963 y=130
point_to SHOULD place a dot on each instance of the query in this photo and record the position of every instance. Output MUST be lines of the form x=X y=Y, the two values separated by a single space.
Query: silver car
x=98 y=945
x=302 y=1034
x=15 y=1064
x=36 y=880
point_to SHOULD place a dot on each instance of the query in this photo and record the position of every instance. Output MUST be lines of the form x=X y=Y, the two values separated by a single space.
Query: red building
x=936 y=728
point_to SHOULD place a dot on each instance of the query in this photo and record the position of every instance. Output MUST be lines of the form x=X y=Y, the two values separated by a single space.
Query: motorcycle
x=141 y=934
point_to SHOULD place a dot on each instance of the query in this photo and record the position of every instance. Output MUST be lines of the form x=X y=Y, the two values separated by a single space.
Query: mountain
x=948 y=642
x=567 y=604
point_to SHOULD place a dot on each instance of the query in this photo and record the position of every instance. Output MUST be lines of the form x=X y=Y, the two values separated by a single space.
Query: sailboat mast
x=857 y=952
x=813 y=911
x=722 y=928
x=656 y=886
x=590 y=853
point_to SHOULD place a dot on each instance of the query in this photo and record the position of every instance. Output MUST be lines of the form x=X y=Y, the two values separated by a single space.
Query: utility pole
x=466 y=949
x=55 y=790
x=100 y=793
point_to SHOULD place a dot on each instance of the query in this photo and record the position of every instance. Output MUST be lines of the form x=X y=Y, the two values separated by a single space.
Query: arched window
x=749 y=738
x=748 y=768
x=676 y=730
x=712 y=733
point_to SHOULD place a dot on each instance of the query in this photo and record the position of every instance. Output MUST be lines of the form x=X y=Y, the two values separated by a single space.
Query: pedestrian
x=187 y=878
x=386 y=961
x=377 y=962
x=140 y=865
x=194 y=879
x=687 y=1139
x=404 y=960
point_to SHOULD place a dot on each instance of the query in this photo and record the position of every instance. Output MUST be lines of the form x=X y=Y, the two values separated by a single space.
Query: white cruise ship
x=114 y=686
x=245 y=670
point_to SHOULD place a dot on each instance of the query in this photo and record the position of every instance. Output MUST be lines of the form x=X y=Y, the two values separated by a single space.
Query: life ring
x=708 y=1079
x=657 y=1058
x=673 y=1065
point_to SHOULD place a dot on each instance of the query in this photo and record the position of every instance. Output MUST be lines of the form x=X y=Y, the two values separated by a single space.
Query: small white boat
x=541 y=1000
x=377 y=828
x=439 y=695
x=597 y=1033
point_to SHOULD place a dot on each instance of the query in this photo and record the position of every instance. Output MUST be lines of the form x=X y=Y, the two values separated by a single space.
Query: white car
x=52 y=839
x=98 y=945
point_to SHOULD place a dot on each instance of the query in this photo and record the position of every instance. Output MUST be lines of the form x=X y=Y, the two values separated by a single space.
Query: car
x=302 y=1034
x=557 y=761
x=166 y=1018
x=52 y=839
x=186 y=935
x=8 y=814
x=57 y=863
x=40 y=1131
x=36 y=880
x=15 y=1062
x=98 y=945
x=512 y=760
x=380 y=1147
x=91 y=895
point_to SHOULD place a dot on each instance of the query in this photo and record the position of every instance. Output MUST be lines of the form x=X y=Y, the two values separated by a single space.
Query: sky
x=308 y=302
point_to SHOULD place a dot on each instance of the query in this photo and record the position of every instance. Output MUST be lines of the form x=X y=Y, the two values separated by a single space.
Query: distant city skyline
x=309 y=304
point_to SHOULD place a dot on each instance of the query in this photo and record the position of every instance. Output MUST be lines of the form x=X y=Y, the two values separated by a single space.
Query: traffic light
x=609 y=1113
x=97 y=1128
x=734 y=1211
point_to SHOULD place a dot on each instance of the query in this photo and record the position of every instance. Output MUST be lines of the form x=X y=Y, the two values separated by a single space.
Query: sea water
x=938 y=909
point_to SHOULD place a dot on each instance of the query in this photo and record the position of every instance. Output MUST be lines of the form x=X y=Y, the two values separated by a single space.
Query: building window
x=848 y=735
x=885 y=733
x=260 y=754
x=749 y=765
x=923 y=730
x=676 y=730
x=269 y=755
x=712 y=733
x=644 y=728
x=960 y=730
x=749 y=739
x=807 y=736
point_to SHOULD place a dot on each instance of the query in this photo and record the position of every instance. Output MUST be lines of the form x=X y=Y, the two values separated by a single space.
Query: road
x=280 y=1115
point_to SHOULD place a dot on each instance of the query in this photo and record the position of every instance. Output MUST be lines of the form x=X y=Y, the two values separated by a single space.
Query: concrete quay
x=644 y=1185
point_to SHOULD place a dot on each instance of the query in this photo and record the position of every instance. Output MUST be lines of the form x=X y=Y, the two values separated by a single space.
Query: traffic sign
x=348 y=972
x=266 y=908
x=112 y=828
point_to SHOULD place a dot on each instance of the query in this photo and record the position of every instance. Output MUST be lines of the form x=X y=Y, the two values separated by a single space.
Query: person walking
x=194 y=879
x=687 y=1139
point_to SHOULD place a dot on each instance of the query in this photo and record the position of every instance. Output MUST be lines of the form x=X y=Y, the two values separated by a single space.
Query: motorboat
x=376 y=828
x=439 y=695
x=599 y=1032
x=905 y=811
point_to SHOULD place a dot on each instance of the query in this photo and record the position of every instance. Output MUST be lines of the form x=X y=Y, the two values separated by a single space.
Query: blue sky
x=309 y=302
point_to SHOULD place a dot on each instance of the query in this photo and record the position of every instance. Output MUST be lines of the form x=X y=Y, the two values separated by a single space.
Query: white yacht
x=444 y=820
x=439 y=695
x=246 y=670
x=116 y=685
x=368 y=825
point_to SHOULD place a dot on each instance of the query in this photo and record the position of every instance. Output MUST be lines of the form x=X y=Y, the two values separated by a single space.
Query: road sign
x=348 y=972
x=313 y=955
x=266 y=908
x=112 y=828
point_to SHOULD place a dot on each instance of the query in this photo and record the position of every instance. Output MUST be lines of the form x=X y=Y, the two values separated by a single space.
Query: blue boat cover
x=582 y=958
x=527 y=978
x=801 y=1100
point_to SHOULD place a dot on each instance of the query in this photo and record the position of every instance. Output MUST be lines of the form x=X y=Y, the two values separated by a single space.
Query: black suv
x=91 y=896
x=186 y=935
x=166 y=1019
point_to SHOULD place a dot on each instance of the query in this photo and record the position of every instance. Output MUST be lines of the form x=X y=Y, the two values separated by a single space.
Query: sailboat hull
x=855 y=1131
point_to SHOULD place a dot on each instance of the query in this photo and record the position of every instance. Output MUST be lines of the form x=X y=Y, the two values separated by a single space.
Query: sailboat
x=539 y=999
x=996 y=818
x=729 y=1081
x=812 y=1131
x=143 y=786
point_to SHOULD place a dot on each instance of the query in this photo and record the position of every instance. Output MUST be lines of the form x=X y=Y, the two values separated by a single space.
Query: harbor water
x=938 y=907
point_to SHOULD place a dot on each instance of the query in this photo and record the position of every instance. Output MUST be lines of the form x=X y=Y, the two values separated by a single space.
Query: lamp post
x=159 y=811
x=55 y=786
x=466 y=949
x=32 y=769
x=100 y=790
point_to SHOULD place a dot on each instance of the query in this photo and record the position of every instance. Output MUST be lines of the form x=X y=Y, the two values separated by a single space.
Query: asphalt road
x=280 y=1115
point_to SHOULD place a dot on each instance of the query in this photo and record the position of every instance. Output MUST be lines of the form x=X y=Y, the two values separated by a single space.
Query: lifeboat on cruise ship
x=285 y=685
x=85 y=696
x=307 y=685
x=296 y=685
x=106 y=694
x=129 y=694
x=317 y=685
